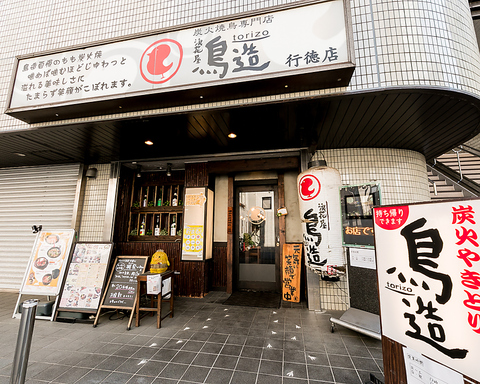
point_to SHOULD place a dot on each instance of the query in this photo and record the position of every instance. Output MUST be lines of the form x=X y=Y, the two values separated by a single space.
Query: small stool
x=159 y=297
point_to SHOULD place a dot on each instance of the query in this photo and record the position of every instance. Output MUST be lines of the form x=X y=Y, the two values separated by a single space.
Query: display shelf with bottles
x=156 y=213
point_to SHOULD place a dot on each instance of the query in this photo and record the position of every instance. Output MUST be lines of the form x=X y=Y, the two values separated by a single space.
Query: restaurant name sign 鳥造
x=307 y=40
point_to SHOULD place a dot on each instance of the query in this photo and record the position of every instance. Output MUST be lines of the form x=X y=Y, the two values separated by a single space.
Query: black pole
x=24 y=340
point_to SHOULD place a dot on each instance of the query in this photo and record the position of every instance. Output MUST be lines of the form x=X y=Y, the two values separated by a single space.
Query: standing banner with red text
x=428 y=266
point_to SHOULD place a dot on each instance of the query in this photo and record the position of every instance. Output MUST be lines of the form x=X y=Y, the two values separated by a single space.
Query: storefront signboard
x=305 y=39
x=428 y=266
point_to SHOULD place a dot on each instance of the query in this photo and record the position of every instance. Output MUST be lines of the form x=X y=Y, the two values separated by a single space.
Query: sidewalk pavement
x=205 y=342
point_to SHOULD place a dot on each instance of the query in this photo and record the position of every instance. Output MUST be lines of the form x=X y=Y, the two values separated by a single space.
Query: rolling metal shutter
x=43 y=195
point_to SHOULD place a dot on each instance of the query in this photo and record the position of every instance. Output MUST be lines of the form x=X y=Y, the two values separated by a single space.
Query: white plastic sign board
x=303 y=39
x=422 y=370
x=428 y=266
x=362 y=258
x=154 y=284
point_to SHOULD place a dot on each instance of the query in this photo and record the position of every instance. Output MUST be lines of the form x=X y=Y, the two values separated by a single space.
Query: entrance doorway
x=256 y=239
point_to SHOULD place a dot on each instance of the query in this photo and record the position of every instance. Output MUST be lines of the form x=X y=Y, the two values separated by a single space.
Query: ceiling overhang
x=429 y=121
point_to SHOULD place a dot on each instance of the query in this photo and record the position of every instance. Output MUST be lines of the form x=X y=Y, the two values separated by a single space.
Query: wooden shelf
x=160 y=239
x=154 y=209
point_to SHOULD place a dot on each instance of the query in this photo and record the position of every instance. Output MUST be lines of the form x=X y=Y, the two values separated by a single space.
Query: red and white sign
x=319 y=204
x=161 y=61
x=428 y=267
x=305 y=39
x=308 y=187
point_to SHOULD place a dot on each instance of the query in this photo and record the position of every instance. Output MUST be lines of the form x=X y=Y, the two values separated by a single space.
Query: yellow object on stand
x=159 y=263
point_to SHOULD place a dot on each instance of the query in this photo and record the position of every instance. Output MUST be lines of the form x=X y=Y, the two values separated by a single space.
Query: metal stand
x=359 y=321
x=24 y=340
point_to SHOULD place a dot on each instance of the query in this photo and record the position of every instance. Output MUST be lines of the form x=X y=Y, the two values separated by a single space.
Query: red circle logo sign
x=308 y=187
x=161 y=61
x=391 y=218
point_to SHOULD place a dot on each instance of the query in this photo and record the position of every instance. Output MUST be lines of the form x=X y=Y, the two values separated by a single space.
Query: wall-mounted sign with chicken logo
x=302 y=40
x=308 y=187
x=161 y=61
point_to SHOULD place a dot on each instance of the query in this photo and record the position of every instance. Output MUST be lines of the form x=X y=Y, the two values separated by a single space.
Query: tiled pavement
x=205 y=342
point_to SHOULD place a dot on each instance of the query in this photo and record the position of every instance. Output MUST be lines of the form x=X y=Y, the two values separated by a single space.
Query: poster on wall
x=197 y=224
x=428 y=267
x=85 y=278
x=46 y=266
x=357 y=203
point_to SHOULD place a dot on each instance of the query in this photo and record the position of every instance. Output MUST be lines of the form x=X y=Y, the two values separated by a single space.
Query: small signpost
x=121 y=291
x=428 y=268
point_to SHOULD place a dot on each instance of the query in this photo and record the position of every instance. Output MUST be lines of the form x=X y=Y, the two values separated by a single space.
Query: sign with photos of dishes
x=85 y=277
x=46 y=267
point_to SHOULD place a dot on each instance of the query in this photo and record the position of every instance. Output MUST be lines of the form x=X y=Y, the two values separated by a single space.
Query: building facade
x=410 y=92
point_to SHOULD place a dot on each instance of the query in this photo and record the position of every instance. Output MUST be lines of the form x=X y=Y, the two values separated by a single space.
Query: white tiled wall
x=402 y=176
x=396 y=43
x=94 y=206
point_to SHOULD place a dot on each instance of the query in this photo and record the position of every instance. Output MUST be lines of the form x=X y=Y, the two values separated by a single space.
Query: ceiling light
x=232 y=135
x=20 y=154
x=149 y=142
x=169 y=169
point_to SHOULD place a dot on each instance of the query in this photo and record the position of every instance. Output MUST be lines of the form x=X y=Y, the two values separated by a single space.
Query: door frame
x=256 y=187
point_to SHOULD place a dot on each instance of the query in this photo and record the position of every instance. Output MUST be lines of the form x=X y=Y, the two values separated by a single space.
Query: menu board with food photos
x=85 y=277
x=46 y=267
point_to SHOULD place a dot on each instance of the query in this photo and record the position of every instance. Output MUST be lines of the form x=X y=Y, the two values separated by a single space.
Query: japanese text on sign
x=428 y=279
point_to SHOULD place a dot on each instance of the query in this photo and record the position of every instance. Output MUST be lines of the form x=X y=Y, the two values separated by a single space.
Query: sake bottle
x=175 y=199
x=157 y=226
x=142 y=228
x=173 y=227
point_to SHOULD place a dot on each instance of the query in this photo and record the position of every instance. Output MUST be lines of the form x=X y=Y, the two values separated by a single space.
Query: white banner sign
x=428 y=264
x=309 y=38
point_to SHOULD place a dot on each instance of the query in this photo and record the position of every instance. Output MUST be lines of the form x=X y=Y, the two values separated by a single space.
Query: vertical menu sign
x=428 y=267
x=292 y=256
x=194 y=224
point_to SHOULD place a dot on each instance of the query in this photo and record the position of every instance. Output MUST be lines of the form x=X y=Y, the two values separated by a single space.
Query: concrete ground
x=205 y=342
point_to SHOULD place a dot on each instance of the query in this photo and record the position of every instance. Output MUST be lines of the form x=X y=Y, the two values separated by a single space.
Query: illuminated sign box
x=299 y=48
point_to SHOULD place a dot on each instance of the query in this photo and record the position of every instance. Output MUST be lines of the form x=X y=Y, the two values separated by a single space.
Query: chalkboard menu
x=121 y=292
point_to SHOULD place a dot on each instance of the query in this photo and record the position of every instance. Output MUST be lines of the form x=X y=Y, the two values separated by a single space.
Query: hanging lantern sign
x=320 y=214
